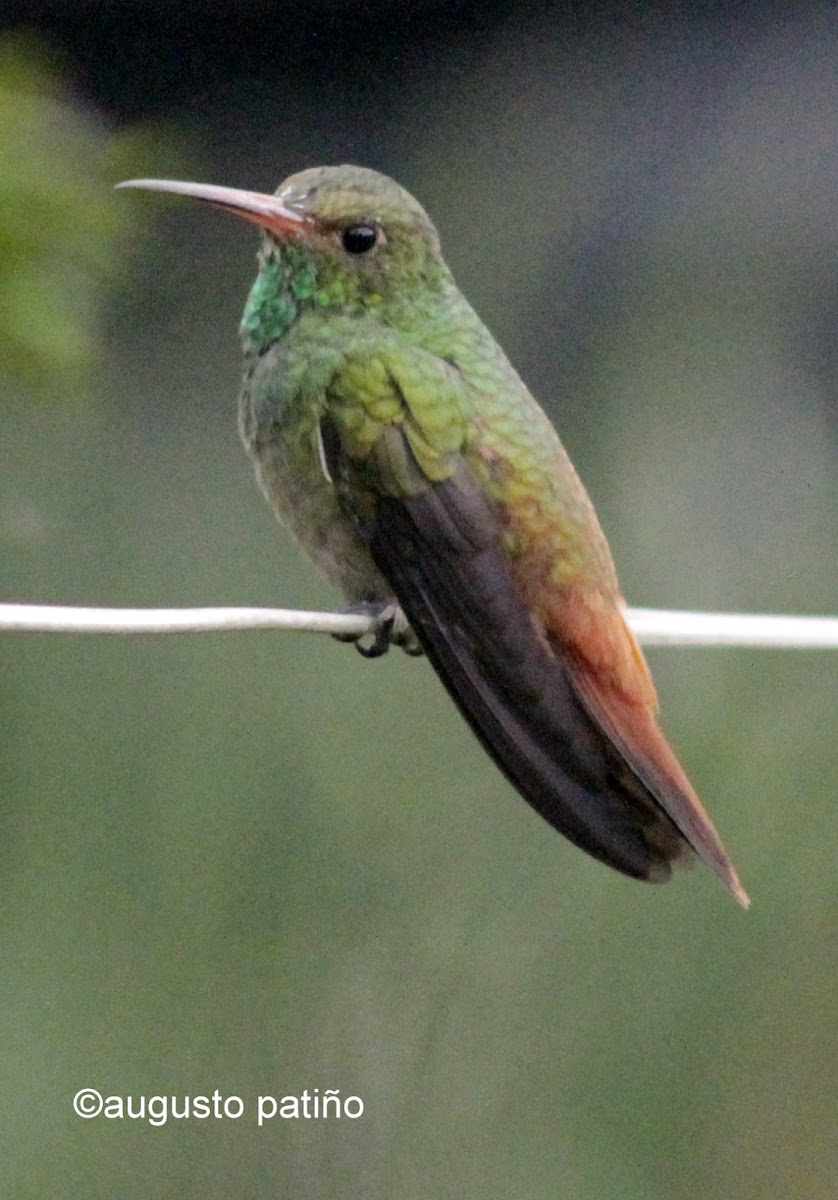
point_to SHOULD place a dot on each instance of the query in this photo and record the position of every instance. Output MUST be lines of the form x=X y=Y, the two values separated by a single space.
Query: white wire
x=654 y=627
x=659 y=627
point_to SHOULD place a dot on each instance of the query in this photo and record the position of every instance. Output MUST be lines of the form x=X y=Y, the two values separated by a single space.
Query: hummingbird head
x=342 y=239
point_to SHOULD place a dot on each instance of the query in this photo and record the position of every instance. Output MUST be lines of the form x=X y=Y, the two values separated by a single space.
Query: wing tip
x=660 y=871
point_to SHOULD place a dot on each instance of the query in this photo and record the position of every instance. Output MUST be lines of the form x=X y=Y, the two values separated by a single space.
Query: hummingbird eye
x=359 y=239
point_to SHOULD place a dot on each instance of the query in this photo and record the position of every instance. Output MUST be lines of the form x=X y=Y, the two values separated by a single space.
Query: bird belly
x=293 y=478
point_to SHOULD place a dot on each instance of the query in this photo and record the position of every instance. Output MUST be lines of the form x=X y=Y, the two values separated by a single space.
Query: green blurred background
x=258 y=863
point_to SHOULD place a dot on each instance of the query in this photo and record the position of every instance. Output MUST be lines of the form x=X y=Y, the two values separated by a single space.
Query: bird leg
x=390 y=628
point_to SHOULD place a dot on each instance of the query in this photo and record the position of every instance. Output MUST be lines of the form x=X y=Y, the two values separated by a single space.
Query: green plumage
x=395 y=440
x=387 y=342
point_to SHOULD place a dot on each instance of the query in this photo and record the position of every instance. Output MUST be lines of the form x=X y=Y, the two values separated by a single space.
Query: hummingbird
x=397 y=443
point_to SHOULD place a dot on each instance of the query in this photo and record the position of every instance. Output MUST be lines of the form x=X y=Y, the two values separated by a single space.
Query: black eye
x=359 y=239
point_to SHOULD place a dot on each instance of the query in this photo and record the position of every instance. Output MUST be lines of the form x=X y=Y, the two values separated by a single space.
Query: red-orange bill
x=260 y=208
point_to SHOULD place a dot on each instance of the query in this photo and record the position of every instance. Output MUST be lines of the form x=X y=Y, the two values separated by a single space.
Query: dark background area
x=258 y=864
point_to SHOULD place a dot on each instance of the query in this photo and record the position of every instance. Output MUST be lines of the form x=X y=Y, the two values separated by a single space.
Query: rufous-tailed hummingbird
x=395 y=440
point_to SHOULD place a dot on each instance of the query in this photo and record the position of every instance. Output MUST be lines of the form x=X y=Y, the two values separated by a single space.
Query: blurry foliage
x=62 y=232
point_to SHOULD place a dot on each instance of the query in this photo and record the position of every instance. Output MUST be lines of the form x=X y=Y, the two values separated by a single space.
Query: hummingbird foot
x=390 y=628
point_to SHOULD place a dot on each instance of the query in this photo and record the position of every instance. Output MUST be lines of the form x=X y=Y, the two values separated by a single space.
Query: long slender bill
x=260 y=208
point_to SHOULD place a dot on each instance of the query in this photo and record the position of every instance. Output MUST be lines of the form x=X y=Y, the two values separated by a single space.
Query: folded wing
x=583 y=749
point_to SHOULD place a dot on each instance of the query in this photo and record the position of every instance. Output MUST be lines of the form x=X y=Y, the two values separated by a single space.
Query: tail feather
x=522 y=702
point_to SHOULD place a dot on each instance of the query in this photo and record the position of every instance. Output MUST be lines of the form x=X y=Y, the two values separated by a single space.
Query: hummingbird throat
x=287 y=284
x=272 y=306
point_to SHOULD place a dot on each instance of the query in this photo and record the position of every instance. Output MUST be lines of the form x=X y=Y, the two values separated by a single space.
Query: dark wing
x=438 y=550
x=580 y=748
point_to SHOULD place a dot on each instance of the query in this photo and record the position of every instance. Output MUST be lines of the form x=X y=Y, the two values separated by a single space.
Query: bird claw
x=390 y=628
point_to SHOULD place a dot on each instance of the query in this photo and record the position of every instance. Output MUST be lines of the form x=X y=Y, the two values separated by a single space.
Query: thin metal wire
x=654 y=627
